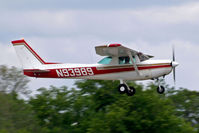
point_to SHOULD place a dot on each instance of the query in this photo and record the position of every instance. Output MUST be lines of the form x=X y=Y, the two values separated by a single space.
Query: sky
x=68 y=30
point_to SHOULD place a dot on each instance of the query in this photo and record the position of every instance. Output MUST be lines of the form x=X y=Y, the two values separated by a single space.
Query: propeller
x=174 y=64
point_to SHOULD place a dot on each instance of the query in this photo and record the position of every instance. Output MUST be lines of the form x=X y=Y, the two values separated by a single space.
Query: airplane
x=120 y=63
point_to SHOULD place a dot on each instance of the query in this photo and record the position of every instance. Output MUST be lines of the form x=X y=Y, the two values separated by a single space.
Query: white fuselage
x=148 y=69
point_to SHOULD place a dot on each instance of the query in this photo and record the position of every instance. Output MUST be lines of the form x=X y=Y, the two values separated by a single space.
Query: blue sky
x=86 y=4
x=68 y=31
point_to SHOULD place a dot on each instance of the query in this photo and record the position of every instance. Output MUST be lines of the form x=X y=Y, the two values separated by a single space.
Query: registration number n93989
x=74 y=72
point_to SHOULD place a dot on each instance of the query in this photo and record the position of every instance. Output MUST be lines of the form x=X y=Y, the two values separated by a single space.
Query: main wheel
x=160 y=89
x=122 y=88
x=131 y=91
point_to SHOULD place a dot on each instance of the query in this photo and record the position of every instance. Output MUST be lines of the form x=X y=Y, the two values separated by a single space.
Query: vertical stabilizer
x=27 y=56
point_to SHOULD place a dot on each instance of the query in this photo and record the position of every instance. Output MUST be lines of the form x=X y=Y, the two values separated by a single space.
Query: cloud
x=65 y=49
x=37 y=22
x=25 y=5
x=186 y=13
x=155 y=24
x=8 y=55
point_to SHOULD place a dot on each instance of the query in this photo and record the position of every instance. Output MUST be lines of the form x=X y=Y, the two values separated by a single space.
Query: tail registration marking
x=74 y=72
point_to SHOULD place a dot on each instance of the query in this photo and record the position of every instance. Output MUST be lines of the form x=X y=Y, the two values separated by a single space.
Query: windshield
x=105 y=60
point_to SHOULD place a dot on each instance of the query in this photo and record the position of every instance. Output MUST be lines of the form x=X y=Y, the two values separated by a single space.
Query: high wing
x=119 y=50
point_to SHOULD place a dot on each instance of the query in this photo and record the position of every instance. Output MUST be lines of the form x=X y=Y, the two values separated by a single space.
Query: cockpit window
x=122 y=60
x=105 y=60
x=125 y=60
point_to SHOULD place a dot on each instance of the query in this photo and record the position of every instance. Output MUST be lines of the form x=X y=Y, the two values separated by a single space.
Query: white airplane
x=120 y=63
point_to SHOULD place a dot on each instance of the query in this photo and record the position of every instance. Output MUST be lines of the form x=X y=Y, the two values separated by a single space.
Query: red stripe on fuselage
x=53 y=74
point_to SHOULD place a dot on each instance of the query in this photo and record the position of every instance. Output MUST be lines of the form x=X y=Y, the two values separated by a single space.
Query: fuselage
x=148 y=69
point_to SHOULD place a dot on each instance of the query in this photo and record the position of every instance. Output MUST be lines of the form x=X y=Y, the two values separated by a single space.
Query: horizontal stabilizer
x=37 y=70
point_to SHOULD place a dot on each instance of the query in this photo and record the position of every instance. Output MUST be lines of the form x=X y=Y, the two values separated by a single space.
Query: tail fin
x=27 y=56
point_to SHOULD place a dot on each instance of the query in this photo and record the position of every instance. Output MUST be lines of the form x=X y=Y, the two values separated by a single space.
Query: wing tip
x=114 y=45
x=109 y=45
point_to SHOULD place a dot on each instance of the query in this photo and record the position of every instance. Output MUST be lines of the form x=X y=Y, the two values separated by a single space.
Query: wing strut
x=134 y=63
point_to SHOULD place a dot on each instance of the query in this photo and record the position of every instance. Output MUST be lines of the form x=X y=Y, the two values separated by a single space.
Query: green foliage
x=16 y=116
x=103 y=109
x=186 y=103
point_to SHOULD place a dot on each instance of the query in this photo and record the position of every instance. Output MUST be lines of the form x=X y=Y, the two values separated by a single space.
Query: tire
x=122 y=88
x=131 y=91
x=160 y=89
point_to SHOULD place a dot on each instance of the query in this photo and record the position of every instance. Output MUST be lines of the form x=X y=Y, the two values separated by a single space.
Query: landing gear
x=131 y=91
x=160 y=89
x=124 y=88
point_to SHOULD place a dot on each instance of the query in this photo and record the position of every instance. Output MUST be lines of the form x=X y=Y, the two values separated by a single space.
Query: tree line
x=94 y=106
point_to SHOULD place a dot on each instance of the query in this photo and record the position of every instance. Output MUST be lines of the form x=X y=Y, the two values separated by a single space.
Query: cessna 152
x=120 y=63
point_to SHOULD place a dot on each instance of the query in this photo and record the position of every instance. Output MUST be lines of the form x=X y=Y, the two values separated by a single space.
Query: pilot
x=126 y=60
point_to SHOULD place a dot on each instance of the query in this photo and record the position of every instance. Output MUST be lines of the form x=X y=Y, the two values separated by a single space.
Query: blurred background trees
x=13 y=81
x=94 y=106
x=16 y=116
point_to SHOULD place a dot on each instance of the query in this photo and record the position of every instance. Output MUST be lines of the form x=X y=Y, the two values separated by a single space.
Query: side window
x=133 y=59
x=124 y=60
x=105 y=60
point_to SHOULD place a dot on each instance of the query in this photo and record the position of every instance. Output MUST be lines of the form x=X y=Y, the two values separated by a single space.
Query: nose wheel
x=160 y=89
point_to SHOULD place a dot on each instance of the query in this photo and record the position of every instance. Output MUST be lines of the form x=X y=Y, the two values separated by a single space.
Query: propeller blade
x=174 y=75
x=174 y=64
x=173 y=54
